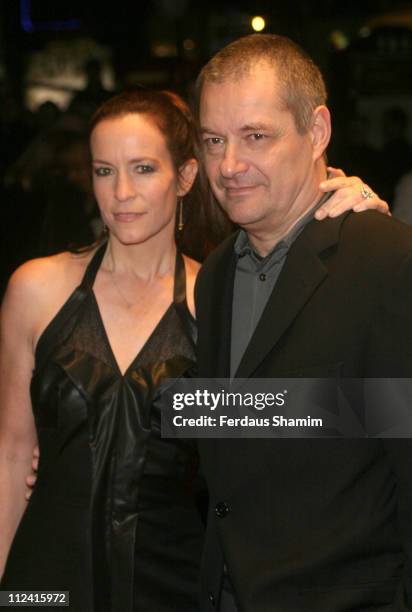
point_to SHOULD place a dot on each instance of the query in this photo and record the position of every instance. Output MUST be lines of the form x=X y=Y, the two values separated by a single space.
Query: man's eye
x=144 y=169
x=213 y=141
x=257 y=136
x=102 y=171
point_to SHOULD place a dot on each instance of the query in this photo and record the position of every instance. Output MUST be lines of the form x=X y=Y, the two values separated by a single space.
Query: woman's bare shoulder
x=47 y=275
x=39 y=287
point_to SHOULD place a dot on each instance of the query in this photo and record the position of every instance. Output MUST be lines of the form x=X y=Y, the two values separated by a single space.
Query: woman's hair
x=174 y=119
x=168 y=112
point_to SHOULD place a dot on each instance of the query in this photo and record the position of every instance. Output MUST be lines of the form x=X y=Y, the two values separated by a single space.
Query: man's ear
x=320 y=131
x=187 y=175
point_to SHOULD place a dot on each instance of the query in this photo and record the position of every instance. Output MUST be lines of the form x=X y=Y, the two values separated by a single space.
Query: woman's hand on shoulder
x=350 y=193
x=192 y=268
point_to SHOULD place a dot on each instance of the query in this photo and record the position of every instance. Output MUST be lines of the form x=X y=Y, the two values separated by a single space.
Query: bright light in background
x=258 y=23
x=339 y=39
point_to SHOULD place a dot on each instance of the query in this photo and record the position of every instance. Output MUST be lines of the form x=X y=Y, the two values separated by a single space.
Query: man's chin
x=240 y=214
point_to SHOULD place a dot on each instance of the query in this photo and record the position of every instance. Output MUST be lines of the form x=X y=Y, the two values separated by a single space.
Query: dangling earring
x=180 y=223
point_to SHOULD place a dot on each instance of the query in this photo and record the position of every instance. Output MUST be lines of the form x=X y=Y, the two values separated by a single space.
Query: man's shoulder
x=374 y=247
x=372 y=218
x=370 y=232
x=377 y=234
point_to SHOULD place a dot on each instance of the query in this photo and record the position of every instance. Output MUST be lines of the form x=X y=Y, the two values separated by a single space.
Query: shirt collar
x=244 y=248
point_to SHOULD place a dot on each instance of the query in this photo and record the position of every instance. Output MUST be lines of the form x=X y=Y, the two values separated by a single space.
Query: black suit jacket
x=323 y=525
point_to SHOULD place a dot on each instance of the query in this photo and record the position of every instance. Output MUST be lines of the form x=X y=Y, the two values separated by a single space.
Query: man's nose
x=124 y=187
x=232 y=163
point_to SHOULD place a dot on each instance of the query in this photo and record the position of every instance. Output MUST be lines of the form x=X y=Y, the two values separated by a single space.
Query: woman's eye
x=102 y=171
x=144 y=169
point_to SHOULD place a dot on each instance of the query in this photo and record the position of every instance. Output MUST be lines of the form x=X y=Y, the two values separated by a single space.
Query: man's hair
x=302 y=84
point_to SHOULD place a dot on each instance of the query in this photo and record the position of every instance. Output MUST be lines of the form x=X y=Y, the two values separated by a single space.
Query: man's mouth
x=239 y=191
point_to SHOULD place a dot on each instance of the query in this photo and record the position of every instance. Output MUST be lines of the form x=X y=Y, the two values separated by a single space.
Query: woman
x=88 y=342
x=110 y=493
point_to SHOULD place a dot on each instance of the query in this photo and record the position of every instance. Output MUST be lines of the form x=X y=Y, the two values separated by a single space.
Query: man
x=321 y=525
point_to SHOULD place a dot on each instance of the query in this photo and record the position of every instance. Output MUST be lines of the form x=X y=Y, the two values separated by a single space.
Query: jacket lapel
x=302 y=273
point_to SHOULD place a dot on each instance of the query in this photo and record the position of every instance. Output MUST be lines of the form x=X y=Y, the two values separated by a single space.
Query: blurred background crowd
x=60 y=60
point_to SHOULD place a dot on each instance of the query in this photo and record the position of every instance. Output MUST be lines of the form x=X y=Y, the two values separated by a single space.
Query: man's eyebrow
x=255 y=127
x=250 y=127
x=206 y=130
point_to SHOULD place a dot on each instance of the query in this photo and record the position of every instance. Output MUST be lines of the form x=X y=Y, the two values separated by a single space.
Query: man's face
x=260 y=168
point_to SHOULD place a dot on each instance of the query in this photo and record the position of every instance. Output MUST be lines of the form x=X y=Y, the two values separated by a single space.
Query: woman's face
x=134 y=179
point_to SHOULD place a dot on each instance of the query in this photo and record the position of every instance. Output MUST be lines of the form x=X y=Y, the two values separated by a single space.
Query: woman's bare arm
x=47 y=283
x=17 y=429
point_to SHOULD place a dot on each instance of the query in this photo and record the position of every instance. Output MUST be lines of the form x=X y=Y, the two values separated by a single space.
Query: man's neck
x=264 y=241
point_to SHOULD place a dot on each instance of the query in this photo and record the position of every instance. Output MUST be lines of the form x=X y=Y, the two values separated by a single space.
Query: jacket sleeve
x=390 y=356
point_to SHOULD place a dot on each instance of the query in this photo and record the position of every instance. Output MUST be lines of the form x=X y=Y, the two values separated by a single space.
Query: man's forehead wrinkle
x=251 y=112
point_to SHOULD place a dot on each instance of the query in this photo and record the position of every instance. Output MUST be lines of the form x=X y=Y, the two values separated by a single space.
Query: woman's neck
x=146 y=261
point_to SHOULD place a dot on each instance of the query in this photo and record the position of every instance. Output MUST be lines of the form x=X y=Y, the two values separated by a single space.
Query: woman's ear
x=187 y=175
x=320 y=131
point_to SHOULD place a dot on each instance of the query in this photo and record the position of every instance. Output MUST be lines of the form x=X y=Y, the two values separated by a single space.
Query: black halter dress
x=112 y=518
